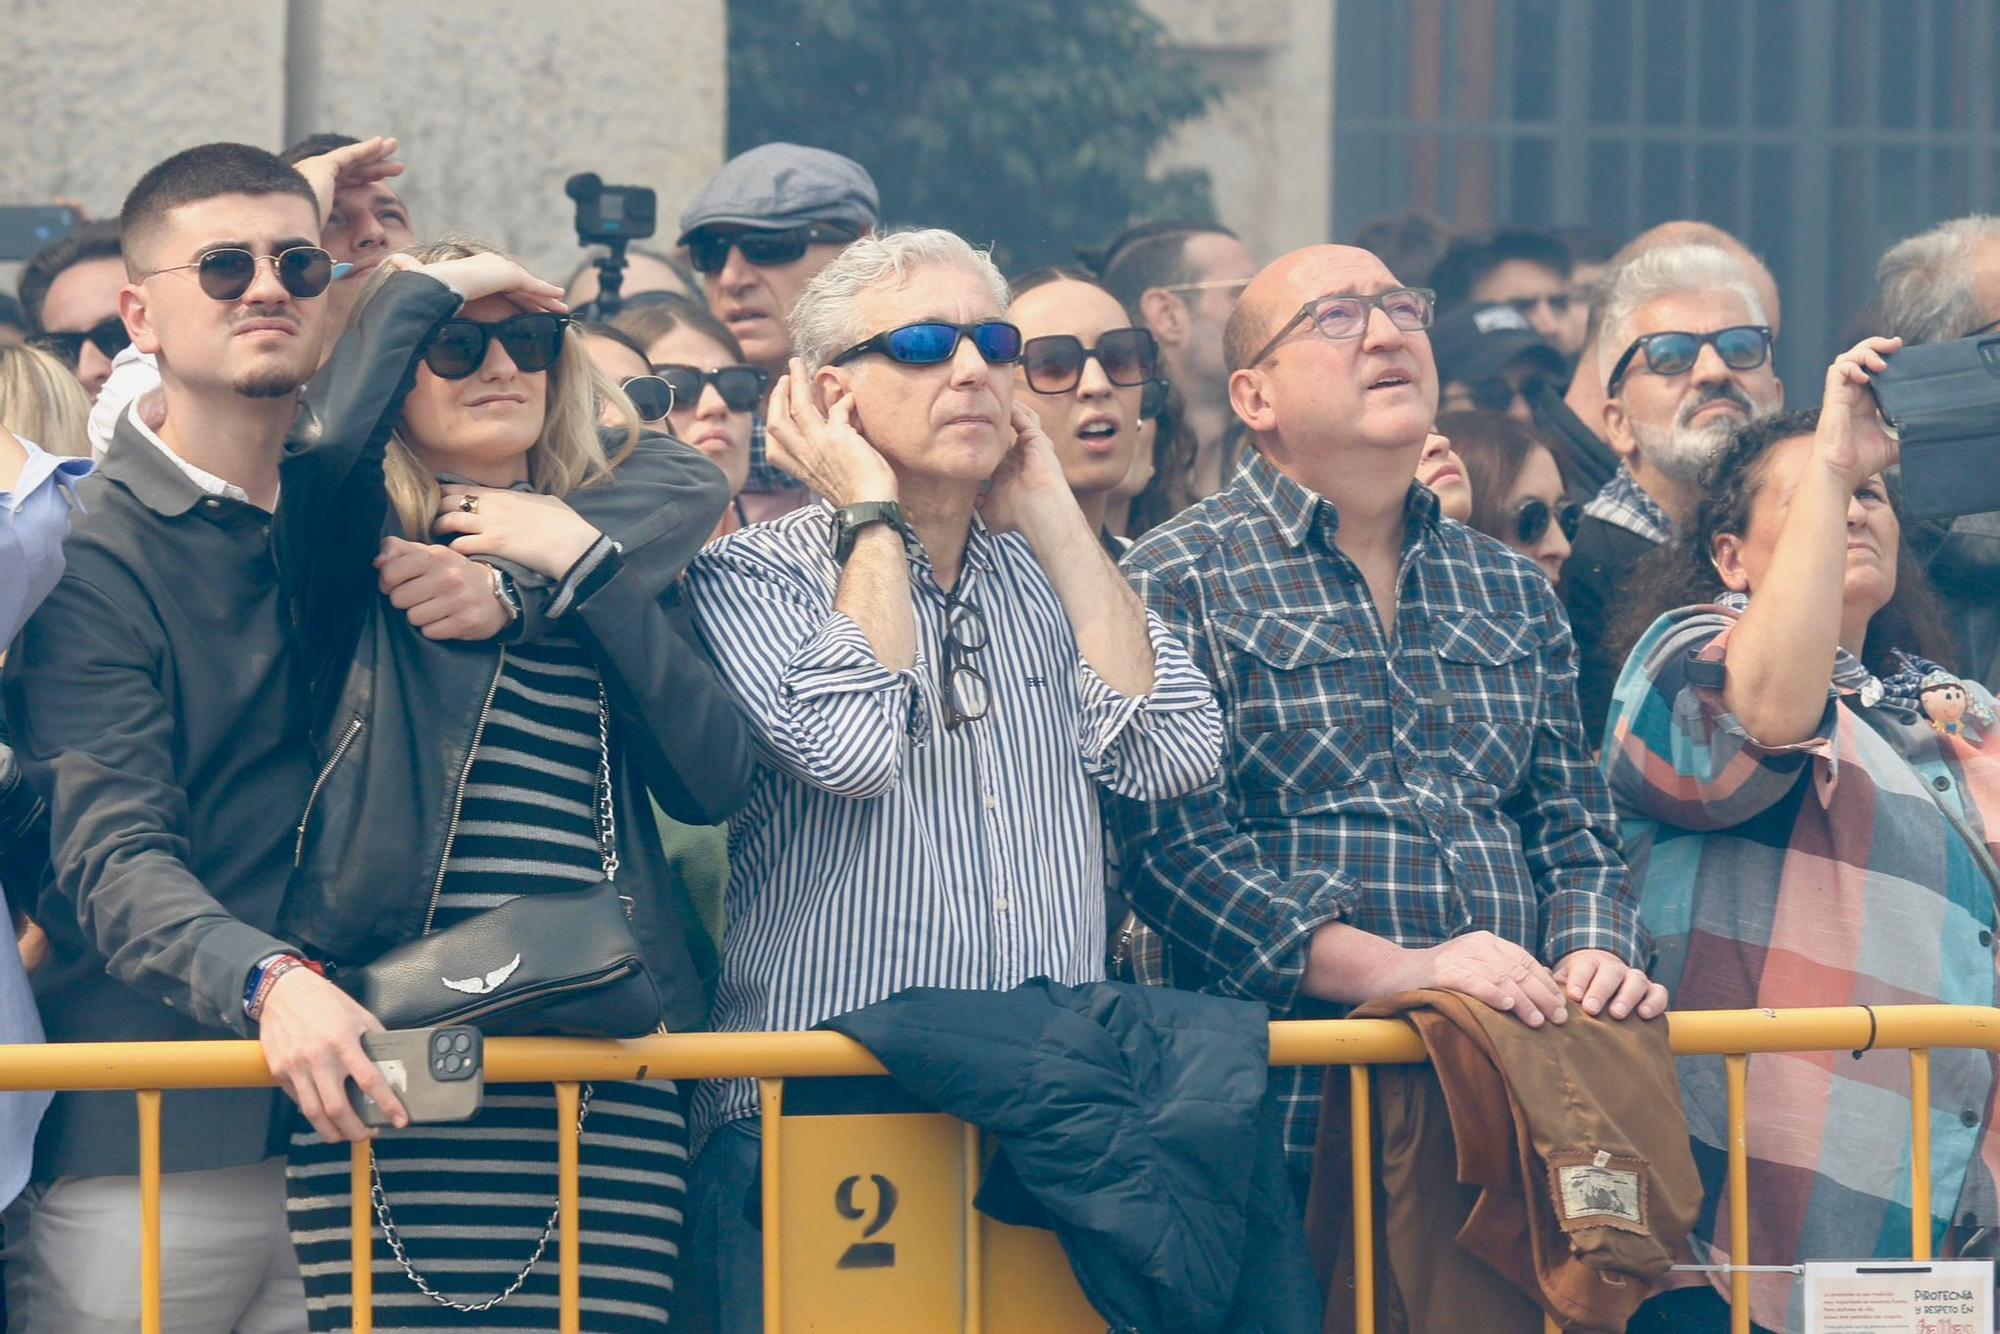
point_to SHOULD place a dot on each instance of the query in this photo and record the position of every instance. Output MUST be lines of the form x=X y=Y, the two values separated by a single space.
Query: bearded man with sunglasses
x=941 y=665
x=1407 y=798
x=1685 y=345
x=159 y=700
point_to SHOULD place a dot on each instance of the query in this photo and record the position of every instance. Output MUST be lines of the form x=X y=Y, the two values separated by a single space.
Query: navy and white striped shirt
x=879 y=850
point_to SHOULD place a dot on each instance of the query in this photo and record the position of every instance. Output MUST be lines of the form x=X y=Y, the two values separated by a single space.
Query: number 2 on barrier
x=866 y=1254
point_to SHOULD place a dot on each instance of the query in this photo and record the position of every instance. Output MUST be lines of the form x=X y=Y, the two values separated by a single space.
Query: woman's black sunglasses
x=929 y=343
x=1532 y=520
x=1054 y=362
x=709 y=251
x=458 y=348
x=226 y=274
x=1742 y=347
x=652 y=397
x=742 y=387
x=108 y=336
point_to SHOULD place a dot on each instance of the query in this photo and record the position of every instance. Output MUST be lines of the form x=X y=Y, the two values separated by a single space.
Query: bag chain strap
x=607 y=843
x=395 y=1238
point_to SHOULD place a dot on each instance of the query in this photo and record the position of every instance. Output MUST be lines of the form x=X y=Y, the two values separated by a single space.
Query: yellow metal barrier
x=148 y=1068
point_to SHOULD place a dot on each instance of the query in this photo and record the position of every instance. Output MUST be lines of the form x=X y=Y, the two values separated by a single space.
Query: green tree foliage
x=1027 y=124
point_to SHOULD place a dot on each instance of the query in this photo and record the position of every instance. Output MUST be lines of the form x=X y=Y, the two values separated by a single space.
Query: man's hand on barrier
x=1603 y=983
x=311 y=1034
x=1352 y=966
x=1495 y=972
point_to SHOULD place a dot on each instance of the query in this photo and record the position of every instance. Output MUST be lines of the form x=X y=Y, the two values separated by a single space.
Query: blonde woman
x=469 y=755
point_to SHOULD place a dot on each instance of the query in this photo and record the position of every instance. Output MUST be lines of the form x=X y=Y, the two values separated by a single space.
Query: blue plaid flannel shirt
x=1419 y=789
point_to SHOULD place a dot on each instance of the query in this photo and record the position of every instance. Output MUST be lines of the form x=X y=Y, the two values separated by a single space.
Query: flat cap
x=778 y=185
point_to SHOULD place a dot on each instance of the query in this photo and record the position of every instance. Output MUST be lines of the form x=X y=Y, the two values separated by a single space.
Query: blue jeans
x=722 y=1271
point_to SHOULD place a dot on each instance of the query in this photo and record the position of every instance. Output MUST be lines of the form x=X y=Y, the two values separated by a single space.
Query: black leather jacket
x=398 y=715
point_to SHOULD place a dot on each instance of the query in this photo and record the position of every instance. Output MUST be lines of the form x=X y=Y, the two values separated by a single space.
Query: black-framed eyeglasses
x=928 y=343
x=652 y=397
x=1670 y=352
x=966 y=694
x=1343 y=315
x=742 y=387
x=1054 y=362
x=708 y=252
x=1531 y=520
x=109 y=336
x=225 y=274
x=1497 y=393
x=458 y=347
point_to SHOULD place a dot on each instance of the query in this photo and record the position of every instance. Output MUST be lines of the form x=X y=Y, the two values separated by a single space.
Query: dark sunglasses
x=108 y=336
x=709 y=251
x=928 y=344
x=966 y=694
x=1742 y=347
x=226 y=274
x=1496 y=393
x=1532 y=520
x=742 y=387
x=1557 y=302
x=458 y=348
x=1054 y=362
x=652 y=397
x=1346 y=315
x=1153 y=399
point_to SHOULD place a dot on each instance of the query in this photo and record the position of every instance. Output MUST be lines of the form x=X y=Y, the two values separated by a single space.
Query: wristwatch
x=851 y=519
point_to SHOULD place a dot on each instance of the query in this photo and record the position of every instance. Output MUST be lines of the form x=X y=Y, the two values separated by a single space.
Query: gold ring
x=468 y=504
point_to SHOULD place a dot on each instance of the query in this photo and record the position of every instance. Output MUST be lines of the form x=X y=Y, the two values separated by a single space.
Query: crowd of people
x=1454 y=613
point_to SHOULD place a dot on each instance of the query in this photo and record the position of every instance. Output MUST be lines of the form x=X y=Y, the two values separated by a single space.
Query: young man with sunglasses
x=1684 y=344
x=757 y=233
x=70 y=293
x=1492 y=359
x=942 y=666
x=159 y=700
x=1408 y=799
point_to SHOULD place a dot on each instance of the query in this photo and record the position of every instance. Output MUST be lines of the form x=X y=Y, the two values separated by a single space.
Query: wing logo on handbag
x=487 y=985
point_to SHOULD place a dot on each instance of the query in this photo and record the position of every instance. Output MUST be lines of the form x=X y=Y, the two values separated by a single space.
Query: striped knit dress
x=471 y=1199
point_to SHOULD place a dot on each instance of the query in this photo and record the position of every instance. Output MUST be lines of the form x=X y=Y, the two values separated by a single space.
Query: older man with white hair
x=941 y=666
x=1684 y=342
x=1930 y=288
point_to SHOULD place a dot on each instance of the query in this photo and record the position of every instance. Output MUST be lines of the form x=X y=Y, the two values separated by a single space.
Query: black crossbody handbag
x=564 y=963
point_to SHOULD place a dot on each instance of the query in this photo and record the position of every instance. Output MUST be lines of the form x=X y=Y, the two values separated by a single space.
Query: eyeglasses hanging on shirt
x=966 y=694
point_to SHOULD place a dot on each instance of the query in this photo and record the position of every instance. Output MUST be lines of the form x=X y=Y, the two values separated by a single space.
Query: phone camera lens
x=462 y=1043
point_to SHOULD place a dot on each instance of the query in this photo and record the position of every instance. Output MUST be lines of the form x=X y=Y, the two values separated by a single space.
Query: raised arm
x=1781 y=654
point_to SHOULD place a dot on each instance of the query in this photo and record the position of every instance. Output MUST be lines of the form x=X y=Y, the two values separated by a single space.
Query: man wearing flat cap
x=757 y=233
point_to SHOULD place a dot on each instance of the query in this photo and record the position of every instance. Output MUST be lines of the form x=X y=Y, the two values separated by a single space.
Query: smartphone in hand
x=439 y=1073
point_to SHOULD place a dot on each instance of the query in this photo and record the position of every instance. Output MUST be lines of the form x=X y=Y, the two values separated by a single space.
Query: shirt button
x=211 y=503
x=1941 y=783
x=992 y=802
x=1986 y=939
x=1968 y=1118
x=1000 y=904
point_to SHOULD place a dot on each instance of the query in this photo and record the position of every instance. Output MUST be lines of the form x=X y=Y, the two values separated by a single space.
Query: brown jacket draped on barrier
x=1573 y=1181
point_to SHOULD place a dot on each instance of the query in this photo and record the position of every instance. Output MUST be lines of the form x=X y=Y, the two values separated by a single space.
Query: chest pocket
x=1489 y=664
x=1297 y=714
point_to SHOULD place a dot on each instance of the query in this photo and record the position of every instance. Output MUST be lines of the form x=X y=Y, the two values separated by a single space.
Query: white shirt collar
x=209 y=483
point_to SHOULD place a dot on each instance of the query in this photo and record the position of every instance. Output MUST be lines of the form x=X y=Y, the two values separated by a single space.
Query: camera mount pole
x=610 y=279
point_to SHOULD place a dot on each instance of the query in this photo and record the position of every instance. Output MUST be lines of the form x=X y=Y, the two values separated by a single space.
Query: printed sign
x=1893 y=1297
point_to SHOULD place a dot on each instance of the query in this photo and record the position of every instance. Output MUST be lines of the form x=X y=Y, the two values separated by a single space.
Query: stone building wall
x=496 y=103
